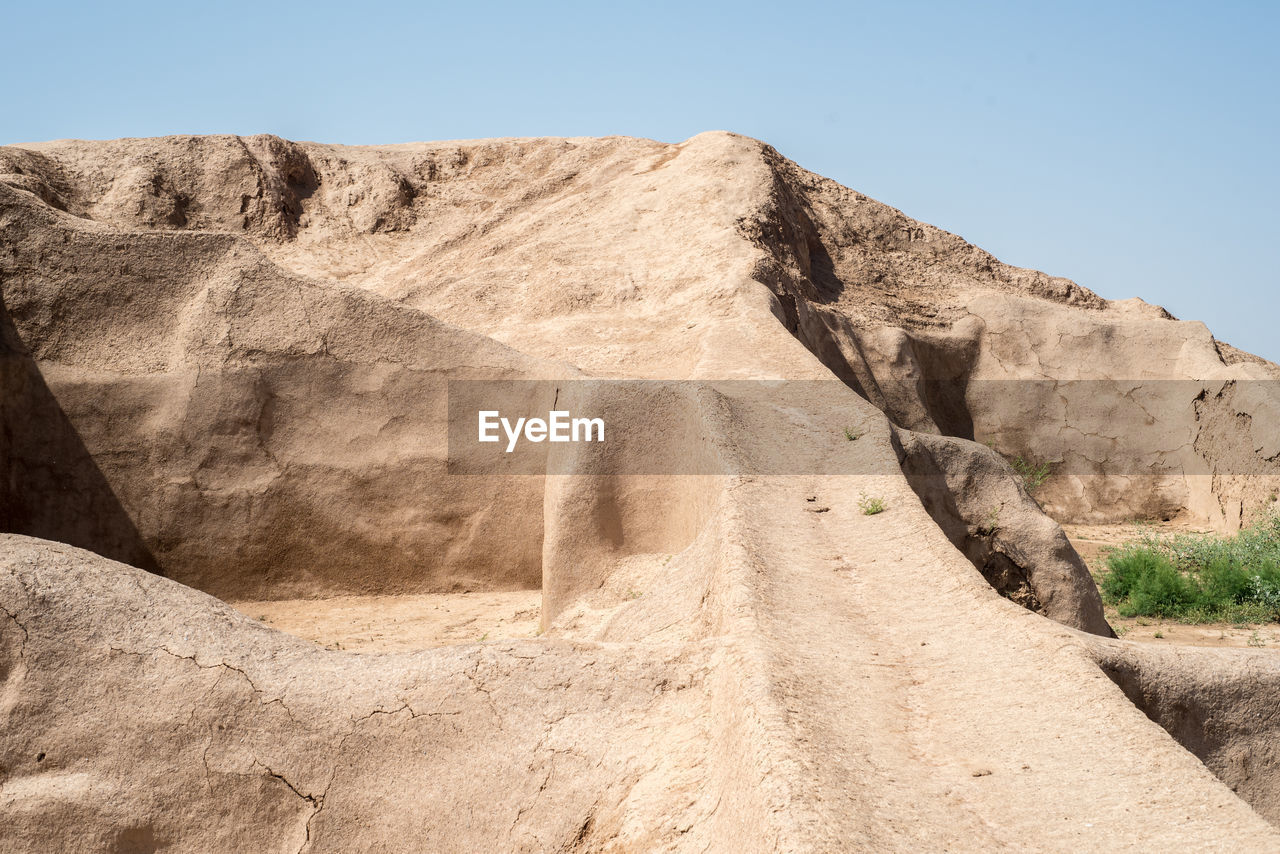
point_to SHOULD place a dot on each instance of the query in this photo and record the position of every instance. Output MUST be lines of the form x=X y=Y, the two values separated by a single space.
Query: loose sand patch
x=402 y=623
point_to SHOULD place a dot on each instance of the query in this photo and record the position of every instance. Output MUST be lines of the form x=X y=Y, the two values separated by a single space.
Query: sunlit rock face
x=226 y=367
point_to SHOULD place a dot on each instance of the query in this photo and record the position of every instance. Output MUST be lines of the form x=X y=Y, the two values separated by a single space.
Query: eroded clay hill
x=224 y=364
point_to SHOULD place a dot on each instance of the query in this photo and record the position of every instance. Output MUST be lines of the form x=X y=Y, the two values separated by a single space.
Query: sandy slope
x=226 y=358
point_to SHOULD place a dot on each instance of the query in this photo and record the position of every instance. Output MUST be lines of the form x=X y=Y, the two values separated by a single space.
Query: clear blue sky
x=1131 y=147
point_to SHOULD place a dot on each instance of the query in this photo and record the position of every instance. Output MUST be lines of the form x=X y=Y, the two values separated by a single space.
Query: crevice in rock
x=1009 y=578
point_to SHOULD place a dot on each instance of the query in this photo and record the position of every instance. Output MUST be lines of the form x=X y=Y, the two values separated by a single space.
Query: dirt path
x=907 y=689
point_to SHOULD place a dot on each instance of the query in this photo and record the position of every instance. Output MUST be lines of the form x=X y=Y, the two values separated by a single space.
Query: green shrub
x=1256 y=546
x=1161 y=591
x=1127 y=567
x=1199 y=577
x=1264 y=588
x=1224 y=581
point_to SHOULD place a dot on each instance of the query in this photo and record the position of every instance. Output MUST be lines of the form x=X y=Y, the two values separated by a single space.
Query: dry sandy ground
x=402 y=623
x=1156 y=631
x=411 y=622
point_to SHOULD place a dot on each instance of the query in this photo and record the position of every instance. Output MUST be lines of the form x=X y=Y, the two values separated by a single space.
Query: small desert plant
x=990 y=523
x=852 y=435
x=871 y=505
x=1033 y=474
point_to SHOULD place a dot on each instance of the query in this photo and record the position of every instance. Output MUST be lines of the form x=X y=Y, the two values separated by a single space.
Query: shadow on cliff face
x=50 y=487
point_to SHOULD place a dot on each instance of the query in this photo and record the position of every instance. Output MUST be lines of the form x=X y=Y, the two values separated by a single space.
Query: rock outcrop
x=225 y=367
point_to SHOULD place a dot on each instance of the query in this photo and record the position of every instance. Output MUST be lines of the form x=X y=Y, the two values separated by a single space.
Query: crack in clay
x=316 y=802
x=26 y=636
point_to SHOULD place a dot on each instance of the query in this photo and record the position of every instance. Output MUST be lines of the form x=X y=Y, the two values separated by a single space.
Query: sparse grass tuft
x=852 y=435
x=871 y=505
x=990 y=523
x=1033 y=474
